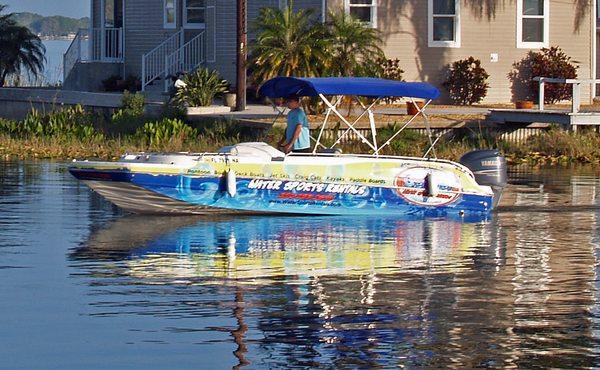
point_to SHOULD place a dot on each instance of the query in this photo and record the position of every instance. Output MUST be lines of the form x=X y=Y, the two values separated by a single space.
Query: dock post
x=541 y=94
x=576 y=98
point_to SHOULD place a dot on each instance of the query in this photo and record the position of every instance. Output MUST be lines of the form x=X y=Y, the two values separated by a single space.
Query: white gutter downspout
x=90 y=28
x=594 y=35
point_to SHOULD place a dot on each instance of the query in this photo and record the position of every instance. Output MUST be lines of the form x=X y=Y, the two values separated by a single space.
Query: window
x=170 y=13
x=444 y=23
x=193 y=14
x=533 y=23
x=109 y=13
x=363 y=10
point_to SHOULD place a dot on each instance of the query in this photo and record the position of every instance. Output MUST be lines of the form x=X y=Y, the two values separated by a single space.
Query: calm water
x=55 y=49
x=53 y=68
x=84 y=286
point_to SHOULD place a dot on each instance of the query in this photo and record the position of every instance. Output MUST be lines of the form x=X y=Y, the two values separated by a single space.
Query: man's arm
x=289 y=146
x=281 y=142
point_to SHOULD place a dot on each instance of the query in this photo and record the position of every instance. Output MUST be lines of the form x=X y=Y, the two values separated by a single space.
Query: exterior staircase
x=172 y=56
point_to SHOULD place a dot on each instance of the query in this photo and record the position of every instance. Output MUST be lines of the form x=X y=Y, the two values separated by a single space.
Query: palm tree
x=20 y=49
x=355 y=47
x=288 y=44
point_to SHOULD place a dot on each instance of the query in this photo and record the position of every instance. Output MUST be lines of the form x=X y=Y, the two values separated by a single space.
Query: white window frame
x=443 y=44
x=166 y=24
x=373 y=6
x=546 y=17
x=193 y=26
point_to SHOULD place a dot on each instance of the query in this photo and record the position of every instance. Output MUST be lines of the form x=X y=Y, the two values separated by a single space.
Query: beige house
x=426 y=35
x=151 y=39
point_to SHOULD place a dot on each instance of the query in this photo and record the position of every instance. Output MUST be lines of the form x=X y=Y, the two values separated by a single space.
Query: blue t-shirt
x=295 y=117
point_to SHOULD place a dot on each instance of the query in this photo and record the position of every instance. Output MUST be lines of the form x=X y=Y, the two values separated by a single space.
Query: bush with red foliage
x=548 y=62
x=467 y=81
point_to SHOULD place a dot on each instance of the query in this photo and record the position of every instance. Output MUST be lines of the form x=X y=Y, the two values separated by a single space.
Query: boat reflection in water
x=305 y=291
x=315 y=290
x=253 y=248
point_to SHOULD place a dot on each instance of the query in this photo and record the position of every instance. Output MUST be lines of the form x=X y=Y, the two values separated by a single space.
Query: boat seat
x=256 y=149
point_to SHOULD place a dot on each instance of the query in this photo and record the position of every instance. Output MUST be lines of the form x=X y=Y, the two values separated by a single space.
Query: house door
x=112 y=30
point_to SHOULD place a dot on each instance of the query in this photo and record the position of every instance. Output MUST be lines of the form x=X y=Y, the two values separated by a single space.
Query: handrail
x=153 y=62
x=72 y=55
x=93 y=45
x=576 y=86
x=185 y=59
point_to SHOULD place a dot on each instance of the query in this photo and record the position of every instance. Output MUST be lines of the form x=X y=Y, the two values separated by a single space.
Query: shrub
x=168 y=131
x=132 y=84
x=68 y=123
x=9 y=127
x=133 y=103
x=548 y=62
x=131 y=113
x=116 y=83
x=390 y=69
x=110 y=84
x=467 y=81
x=202 y=86
x=408 y=142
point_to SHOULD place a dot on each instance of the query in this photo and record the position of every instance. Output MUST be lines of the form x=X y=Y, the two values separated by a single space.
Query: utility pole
x=242 y=55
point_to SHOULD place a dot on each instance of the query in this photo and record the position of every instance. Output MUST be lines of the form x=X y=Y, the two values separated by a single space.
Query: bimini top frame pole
x=375 y=88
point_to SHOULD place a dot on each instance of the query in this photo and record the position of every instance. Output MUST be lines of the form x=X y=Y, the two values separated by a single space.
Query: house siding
x=315 y=5
x=404 y=26
x=143 y=31
x=226 y=38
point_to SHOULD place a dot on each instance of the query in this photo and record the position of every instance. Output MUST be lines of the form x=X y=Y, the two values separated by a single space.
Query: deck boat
x=255 y=178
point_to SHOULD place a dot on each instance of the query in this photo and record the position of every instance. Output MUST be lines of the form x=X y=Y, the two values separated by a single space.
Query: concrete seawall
x=16 y=103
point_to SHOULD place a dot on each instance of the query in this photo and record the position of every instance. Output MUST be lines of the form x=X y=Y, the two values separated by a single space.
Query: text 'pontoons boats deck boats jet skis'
x=257 y=178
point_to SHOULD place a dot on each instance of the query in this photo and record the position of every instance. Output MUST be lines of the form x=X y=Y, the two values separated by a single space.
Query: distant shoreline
x=57 y=38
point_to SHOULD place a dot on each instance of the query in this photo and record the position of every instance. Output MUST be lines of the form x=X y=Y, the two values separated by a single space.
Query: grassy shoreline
x=73 y=133
x=573 y=149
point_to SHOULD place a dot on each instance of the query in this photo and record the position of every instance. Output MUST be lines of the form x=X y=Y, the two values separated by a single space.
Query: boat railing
x=333 y=109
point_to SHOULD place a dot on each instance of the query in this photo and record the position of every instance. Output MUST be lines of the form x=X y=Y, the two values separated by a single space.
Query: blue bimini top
x=281 y=87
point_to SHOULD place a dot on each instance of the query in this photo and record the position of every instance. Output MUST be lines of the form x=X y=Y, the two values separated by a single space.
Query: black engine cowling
x=489 y=168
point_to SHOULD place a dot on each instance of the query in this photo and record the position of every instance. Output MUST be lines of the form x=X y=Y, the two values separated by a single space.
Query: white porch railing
x=94 y=45
x=185 y=59
x=153 y=62
x=576 y=84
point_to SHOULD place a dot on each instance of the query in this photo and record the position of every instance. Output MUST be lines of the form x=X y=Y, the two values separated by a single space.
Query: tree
x=20 y=49
x=355 y=47
x=288 y=44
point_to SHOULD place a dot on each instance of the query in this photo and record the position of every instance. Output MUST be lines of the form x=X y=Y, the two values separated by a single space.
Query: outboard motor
x=489 y=168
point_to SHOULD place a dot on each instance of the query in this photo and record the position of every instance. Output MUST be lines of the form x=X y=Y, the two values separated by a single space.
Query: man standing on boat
x=297 y=134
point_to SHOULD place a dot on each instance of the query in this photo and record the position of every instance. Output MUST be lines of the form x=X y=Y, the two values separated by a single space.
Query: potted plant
x=200 y=90
x=524 y=104
x=411 y=107
x=229 y=98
